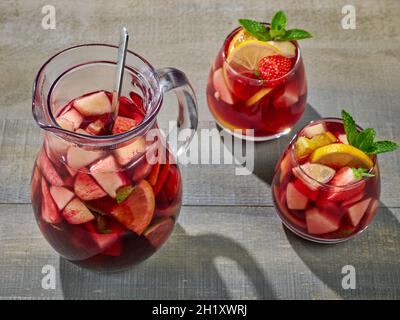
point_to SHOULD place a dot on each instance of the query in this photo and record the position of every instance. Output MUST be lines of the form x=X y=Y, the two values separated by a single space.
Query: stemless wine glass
x=239 y=100
x=107 y=201
x=318 y=211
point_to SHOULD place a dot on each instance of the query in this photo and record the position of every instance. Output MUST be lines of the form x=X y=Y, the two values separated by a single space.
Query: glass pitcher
x=106 y=201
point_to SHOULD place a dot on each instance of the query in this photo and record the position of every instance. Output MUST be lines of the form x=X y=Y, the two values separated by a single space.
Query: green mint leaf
x=275 y=34
x=257 y=73
x=361 y=172
x=349 y=127
x=365 y=140
x=278 y=22
x=294 y=34
x=94 y=210
x=123 y=193
x=257 y=29
x=383 y=146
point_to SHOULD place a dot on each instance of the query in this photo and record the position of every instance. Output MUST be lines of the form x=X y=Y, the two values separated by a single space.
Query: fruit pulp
x=319 y=202
x=110 y=208
x=239 y=100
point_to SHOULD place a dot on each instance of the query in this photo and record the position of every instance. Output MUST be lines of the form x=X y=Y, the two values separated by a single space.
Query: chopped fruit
x=344 y=192
x=158 y=232
x=221 y=89
x=285 y=166
x=136 y=211
x=104 y=240
x=257 y=97
x=295 y=199
x=48 y=170
x=61 y=196
x=274 y=67
x=338 y=155
x=162 y=176
x=123 y=193
x=50 y=212
x=77 y=213
x=86 y=188
x=65 y=124
x=142 y=170
x=96 y=127
x=155 y=170
x=105 y=173
x=320 y=222
x=318 y=172
x=131 y=151
x=169 y=211
x=323 y=139
x=328 y=206
x=304 y=146
x=357 y=197
x=173 y=184
x=309 y=189
x=343 y=138
x=73 y=116
x=78 y=158
x=248 y=54
x=344 y=177
x=314 y=130
x=373 y=207
x=357 y=211
x=93 y=104
x=123 y=124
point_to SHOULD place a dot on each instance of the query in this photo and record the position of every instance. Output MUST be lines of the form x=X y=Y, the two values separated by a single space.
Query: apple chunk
x=133 y=150
x=295 y=199
x=158 y=232
x=94 y=104
x=320 y=222
x=76 y=212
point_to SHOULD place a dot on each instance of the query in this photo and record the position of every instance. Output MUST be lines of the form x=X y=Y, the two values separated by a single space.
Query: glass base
x=252 y=138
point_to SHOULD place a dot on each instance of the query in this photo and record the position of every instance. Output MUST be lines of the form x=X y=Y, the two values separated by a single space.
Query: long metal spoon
x=122 y=47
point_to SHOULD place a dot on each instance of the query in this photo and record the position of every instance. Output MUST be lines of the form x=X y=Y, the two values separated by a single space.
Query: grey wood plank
x=214 y=252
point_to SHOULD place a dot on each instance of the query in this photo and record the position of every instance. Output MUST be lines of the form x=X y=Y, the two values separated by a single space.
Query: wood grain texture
x=229 y=242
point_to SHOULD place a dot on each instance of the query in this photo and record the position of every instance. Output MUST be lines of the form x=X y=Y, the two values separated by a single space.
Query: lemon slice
x=338 y=155
x=305 y=146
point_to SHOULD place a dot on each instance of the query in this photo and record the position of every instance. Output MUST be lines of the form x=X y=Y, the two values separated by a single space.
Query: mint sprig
x=361 y=172
x=277 y=30
x=364 y=140
x=123 y=193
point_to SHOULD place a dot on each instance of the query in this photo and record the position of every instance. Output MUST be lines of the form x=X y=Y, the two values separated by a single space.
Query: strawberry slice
x=86 y=188
x=50 y=212
x=295 y=199
x=105 y=172
x=136 y=211
x=158 y=232
x=48 y=170
x=172 y=186
x=123 y=124
x=61 y=196
x=93 y=104
x=76 y=212
x=274 y=67
x=357 y=211
x=320 y=222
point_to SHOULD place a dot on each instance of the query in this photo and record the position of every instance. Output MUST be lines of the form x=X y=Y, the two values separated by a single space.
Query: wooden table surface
x=229 y=242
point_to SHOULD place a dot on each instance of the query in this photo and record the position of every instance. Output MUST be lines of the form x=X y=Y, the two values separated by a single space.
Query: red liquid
x=274 y=113
x=75 y=202
x=342 y=211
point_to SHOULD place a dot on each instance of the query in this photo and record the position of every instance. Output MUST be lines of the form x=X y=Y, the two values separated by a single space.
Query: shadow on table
x=267 y=153
x=375 y=255
x=183 y=269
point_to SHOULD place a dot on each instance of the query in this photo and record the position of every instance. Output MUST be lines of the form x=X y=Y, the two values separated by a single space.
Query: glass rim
x=259 y=81
x=321 y=184
x=93 y=139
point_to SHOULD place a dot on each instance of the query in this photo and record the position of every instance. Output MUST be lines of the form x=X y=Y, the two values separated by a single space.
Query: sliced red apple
x=136 y=211
x=66 y=124
x=158 y=232
x=320 y=222
x=133 y=150
x=78 y=158
x=71 y=115
x=93 y=104
x=48 y=170
x=61 y=196
x=105 y=172
x=86 y=188
x=50 y=212
x=76 y=212
x=295 y=199
x=356 y=212
x=123 y=124
x=221 y=89
x=315 y=129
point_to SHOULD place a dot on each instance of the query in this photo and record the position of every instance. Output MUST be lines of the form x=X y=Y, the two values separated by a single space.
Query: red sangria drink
x=326 y=185
x=106 y=189
x=258 y=80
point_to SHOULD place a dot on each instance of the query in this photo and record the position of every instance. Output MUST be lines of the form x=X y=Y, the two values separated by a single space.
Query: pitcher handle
x=172 y=79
